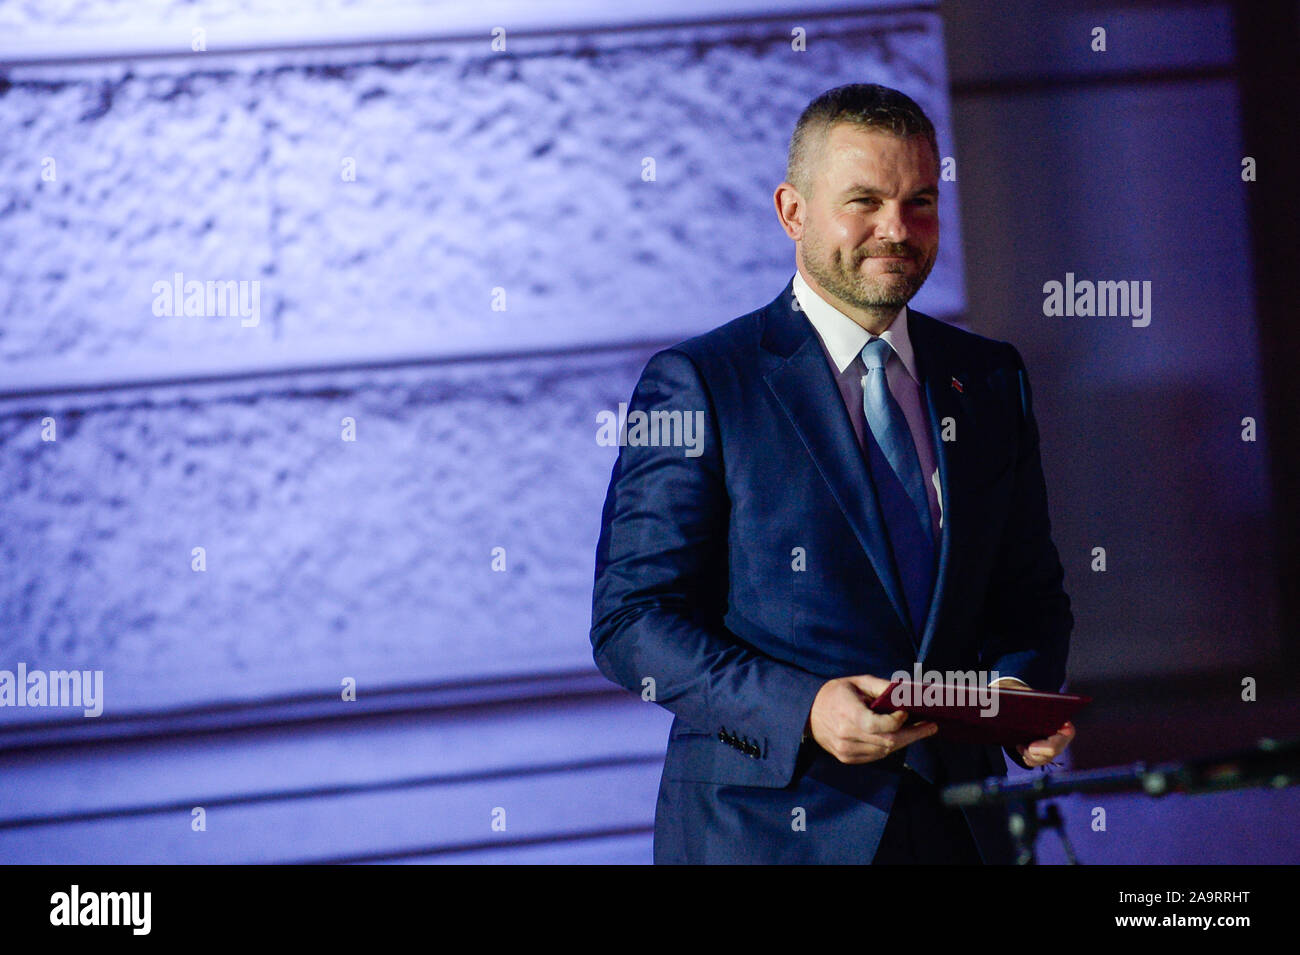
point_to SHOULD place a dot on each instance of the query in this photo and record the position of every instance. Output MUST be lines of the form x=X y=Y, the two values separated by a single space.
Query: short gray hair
x=865 y=105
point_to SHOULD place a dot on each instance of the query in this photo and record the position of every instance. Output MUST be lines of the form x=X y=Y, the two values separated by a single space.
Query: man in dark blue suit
x=864 y=495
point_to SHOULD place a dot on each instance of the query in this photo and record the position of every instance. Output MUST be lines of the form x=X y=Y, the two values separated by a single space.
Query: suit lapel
x=805 y=389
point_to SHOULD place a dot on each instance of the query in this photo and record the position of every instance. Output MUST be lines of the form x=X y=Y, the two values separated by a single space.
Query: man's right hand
x=842 y=724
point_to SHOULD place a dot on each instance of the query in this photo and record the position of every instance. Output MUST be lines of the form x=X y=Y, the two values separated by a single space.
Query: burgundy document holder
x=1013 y=716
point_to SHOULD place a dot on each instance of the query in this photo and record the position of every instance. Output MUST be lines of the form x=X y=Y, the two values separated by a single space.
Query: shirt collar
x=843 y=337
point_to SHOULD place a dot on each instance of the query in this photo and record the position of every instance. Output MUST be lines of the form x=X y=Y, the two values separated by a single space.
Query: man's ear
x=790 y=209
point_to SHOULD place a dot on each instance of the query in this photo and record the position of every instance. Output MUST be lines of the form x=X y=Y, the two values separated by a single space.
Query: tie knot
x=875 y=353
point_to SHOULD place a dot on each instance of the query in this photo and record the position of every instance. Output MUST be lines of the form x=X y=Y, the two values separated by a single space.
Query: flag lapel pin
x=957 y=386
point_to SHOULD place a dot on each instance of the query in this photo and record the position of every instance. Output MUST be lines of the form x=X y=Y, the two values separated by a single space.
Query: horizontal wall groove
x=319 y=792
x=40 y=385
x=250 y=36
x=305 y=710
x=1043 y=82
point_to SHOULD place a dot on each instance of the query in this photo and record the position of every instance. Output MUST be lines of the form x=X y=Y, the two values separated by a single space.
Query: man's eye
x=922 y=202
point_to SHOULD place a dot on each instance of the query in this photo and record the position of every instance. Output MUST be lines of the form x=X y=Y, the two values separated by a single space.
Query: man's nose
x=889 y=223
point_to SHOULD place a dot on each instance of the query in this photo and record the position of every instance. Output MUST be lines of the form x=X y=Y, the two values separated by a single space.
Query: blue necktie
x=900 y=486
x=904 y=505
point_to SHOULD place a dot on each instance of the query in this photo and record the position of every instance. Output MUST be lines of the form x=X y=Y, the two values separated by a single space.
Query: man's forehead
x=852 y=152
x=847 y=140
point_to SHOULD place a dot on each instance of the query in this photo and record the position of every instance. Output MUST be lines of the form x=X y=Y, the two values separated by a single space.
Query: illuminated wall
x=462 y=256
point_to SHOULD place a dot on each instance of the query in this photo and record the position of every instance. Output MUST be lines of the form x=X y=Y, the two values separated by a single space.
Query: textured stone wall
x=474 y=172
x=325 y=558
x=478 y=176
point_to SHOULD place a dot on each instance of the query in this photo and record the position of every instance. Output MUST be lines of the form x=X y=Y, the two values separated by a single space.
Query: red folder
x=1022 y=716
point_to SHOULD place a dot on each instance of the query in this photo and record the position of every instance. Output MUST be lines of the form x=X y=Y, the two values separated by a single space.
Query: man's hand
x=1043 y=751
x=843 y=726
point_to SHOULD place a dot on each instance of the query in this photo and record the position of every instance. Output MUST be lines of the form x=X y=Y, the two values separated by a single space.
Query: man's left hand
x=1043 y=751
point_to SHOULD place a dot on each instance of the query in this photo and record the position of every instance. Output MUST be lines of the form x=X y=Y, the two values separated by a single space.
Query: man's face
x=871 y=226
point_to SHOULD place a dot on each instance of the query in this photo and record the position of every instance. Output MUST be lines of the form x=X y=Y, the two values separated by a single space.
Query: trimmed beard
x=852 y=287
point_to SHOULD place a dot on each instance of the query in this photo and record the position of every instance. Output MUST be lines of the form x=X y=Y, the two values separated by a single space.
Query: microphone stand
x=1271 y=763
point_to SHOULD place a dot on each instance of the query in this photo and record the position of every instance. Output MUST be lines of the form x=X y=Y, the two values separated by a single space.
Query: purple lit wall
x=389 y=458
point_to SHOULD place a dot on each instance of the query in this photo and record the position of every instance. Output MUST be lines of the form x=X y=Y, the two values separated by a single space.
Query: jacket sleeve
x=1027 y=612
x=660 y=593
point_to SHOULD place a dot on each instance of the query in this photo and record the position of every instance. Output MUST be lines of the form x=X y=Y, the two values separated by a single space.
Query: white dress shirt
x=842 y=341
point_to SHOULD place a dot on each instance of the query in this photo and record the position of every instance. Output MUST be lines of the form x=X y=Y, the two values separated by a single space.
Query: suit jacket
x=732 y=583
